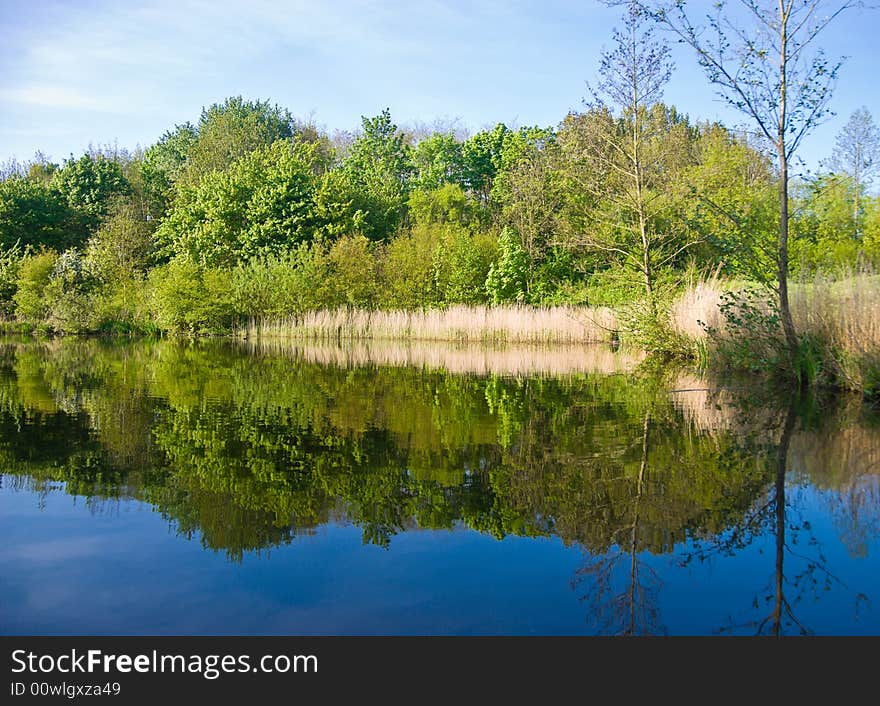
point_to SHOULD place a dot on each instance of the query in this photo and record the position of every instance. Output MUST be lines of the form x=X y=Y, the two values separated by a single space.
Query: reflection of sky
x=68 y=569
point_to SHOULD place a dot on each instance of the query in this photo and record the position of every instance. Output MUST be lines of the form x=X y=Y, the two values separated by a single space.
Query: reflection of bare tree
x=794 y=573
x=632 y=608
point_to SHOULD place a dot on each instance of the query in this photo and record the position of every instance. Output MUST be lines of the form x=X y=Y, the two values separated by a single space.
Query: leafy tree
x=123 y=245
x=408 y=270
x=90 y=184
x=192 y=299
x=529 y=191
x=447 y=203
x=437 y=161
x=352 y=274
x=629 y=152
x=34 y=274
x=262 y=203
x=164 y=163
x=508 y=277
x=767 y=69
x=378 y=169
x=230 y=130
x=462 y=260
x=10 y=264
x=481 y=157
x=730 y=202
x=35 y=213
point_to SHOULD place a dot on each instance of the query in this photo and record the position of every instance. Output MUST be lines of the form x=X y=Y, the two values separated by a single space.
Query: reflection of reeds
x=468 y=359
x=836 y=454
x=705 y=408
x=498 y=324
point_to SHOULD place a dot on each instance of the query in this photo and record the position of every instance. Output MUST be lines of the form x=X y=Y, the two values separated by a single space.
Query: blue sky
x=96 y=71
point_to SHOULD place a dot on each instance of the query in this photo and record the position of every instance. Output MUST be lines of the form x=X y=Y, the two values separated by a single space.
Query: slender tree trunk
x=646 y=260
x=857 y=187
x=791 y=339
x=634 y=536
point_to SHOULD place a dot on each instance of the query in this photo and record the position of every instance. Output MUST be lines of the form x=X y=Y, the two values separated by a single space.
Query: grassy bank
x=731 y=326
x=726 y=326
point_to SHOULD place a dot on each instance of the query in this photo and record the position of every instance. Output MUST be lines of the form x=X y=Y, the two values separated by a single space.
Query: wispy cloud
x=54 y=96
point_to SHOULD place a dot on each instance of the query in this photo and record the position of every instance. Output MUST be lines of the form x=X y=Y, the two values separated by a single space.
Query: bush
x=10 y=264
x=462 y=261
x=193 y=299
x=353 y=274
x=281 y=285
x=34 y=275
x=408 y=271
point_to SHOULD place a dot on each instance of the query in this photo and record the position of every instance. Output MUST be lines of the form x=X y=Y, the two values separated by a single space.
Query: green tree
x=857 y=154
x=193 y=299
x=123 y=245
x=730 y=192
x=378 y=168
x=437 y=160
x=481 y=157
x=768 y=67
x=408 y=270
x=35 y=213
x=228 y=131
x=508 y=277
x=629 y=150
x=34 y=275
x=262 y=203
x=447 y=203
x=90 y=184
x=163 y=164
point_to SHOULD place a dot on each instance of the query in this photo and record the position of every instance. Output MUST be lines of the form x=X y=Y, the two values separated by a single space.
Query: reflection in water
x=248 y=449
x=466 y=358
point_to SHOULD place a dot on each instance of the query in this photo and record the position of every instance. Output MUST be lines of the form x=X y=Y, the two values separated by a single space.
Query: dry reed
x=697 y=308
x=461 y=324
x=843 y=314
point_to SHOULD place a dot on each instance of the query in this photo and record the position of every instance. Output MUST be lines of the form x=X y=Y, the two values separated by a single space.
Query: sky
x=95 y=71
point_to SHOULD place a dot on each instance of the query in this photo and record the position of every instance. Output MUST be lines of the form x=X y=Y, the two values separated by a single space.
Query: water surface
x=218 y=488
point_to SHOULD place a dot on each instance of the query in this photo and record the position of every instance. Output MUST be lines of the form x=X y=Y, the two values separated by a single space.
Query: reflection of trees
x=799 y=566
x=631 y=610
x=248 y=452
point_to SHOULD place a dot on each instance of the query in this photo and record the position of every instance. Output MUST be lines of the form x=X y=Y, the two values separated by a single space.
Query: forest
x=248 y=216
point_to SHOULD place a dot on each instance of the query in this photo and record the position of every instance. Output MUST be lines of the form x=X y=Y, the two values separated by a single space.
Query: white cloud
x=50 y=96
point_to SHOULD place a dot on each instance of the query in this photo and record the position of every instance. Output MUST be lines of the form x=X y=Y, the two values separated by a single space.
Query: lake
x=237 y=488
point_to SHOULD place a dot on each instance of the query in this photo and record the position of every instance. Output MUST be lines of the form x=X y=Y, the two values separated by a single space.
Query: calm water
x=211 y=488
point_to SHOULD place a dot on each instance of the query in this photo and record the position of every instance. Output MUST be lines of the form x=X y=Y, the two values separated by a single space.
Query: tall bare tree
x=857 y=154
x=763 y=61
x=624 y=150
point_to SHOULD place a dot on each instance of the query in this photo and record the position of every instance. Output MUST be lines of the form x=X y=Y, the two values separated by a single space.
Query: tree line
x=250 y=212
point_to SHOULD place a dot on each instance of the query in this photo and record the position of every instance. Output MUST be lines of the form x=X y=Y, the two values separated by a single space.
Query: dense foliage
x=249 y=212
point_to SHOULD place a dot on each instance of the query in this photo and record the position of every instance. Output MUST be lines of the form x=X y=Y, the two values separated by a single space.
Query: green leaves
x=263 y=203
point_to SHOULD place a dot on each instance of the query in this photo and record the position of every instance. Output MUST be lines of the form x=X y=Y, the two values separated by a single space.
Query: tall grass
x=837 y=318
x=461 y=324
x=843 y=316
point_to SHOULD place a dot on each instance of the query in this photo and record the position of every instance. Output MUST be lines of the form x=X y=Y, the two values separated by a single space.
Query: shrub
x=281 y=285
x=192 y=299
x=408 y=271
x=10 y=264
x=34 y=275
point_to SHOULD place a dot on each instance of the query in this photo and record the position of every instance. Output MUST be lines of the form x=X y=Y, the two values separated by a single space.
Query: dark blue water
x=169 y=489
